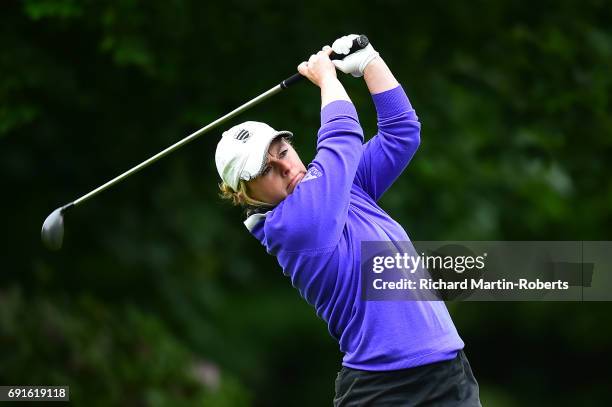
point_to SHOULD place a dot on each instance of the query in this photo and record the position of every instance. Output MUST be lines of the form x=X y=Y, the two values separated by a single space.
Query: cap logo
x=242 y=135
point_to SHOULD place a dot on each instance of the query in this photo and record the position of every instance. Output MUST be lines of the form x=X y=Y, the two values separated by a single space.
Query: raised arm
x=314 y=215
x=388 y=153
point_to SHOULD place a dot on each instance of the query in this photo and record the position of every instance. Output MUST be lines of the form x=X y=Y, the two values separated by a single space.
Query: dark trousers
x=447 y=383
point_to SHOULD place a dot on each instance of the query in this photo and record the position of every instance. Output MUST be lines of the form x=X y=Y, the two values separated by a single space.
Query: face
x=281 y=174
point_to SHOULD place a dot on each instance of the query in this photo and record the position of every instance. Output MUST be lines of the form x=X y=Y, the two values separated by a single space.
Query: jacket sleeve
x=388 y=153
x=314 y=215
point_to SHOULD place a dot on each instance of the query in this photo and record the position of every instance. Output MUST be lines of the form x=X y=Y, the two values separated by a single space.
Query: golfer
x=313 y=219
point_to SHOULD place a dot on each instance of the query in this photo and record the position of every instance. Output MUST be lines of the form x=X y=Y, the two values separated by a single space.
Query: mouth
x=294 y=181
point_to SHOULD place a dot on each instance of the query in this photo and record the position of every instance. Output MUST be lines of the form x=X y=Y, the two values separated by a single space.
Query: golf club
x=52 y=232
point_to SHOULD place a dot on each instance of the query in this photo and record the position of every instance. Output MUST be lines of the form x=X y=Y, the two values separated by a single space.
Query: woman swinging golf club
x=313 y=219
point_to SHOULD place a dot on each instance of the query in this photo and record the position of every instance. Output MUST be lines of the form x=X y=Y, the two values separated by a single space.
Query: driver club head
x=52 y=233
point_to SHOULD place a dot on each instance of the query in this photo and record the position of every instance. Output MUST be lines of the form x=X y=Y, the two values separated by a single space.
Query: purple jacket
x=316 y=235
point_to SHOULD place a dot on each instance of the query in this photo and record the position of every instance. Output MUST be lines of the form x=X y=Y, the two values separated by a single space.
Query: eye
x=283 y=153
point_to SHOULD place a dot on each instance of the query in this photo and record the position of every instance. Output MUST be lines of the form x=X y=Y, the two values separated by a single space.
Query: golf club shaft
x=52 y=232
x=358 y=43
x=179 y=144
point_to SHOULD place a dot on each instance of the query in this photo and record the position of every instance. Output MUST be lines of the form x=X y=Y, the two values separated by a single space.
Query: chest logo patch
x=313 y=173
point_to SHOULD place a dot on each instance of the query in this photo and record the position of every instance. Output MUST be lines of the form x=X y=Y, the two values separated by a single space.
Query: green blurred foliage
x=123 y=355
x=161 y=297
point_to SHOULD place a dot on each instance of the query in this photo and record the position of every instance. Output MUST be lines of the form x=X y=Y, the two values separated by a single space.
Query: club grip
x=358 y=43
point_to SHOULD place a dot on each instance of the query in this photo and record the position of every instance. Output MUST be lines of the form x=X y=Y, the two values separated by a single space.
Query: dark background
x=161 y=297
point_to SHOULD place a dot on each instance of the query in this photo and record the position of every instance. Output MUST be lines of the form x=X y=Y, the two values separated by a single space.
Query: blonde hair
x=240 y=197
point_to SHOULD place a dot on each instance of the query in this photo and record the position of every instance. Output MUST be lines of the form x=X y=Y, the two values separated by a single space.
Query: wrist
x=378 y=77
x=375 y=64
x=329 y=81
x=332 y=90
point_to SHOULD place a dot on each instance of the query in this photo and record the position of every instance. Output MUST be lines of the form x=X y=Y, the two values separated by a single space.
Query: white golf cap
x=242 y=151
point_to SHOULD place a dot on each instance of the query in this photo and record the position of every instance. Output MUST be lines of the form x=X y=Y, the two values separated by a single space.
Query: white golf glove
x=355 y=63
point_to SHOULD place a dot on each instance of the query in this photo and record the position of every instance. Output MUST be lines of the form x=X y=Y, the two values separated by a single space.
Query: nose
x=283 y=167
